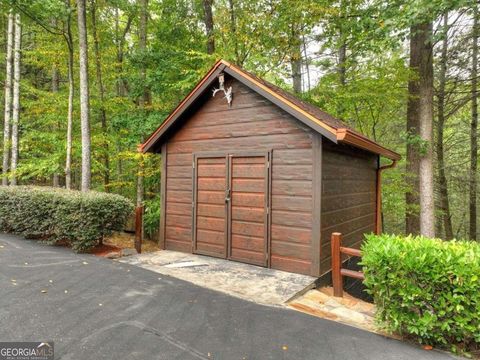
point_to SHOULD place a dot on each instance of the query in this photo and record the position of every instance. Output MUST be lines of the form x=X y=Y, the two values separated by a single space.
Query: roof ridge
x=327 y=125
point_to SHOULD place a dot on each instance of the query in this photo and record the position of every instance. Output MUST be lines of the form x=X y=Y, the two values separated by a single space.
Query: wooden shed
x=253 y=174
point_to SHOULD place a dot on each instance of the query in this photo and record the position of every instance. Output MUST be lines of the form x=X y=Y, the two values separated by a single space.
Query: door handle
x=227 y=195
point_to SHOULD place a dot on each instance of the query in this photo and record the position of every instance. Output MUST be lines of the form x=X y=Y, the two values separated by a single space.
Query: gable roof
x=325 y=124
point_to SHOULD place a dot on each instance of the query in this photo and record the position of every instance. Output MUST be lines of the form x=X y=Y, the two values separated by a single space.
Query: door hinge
x=193 y=204
x=193 y=164
x=268 y=164
x=268 y=210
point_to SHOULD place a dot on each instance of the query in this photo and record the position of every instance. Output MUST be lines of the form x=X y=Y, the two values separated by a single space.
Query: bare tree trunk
x=56 y=180
x=119 y=161
x=208 y=19
x=473 y=132
x=68 y=160
x=146 y=96
x=84 y=96
x=307 y=67
x=427 y=204
x=342 y=56
x=342 y=48
x=296 y=58
x=122 y=87
x=101 y=92
x=16 y=97
x=296 y=65
x=55 y=86
x=233 y=30
x=442 y=179
x=342 y=59
x=8 y=99
x=296 y=61
x=412 y=201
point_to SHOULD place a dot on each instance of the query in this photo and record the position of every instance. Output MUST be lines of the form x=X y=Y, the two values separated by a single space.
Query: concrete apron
x=248 y=282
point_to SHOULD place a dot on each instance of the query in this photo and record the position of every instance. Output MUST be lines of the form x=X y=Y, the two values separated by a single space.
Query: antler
x=228 y=95
x=215 y=91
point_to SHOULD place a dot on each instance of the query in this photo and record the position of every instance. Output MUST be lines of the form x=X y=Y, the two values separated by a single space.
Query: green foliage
x=151 y=217
x=263 y=37
x=424 y=288
x=52 y=215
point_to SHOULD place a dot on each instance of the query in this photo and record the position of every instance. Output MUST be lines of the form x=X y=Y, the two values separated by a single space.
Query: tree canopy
x=350 y=58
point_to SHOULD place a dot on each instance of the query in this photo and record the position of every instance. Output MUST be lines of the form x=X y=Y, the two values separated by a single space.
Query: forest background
x=86 y=81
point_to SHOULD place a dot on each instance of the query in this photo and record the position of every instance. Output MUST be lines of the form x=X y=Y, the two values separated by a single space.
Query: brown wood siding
x=210 y=237
x=348 y=196
x=248 y=209
x=252 y=123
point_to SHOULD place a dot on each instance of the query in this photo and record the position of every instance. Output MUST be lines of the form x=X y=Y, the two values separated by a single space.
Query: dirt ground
x=123 y=240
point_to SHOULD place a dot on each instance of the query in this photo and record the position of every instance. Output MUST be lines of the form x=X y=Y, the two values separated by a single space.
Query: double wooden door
x=231 y=206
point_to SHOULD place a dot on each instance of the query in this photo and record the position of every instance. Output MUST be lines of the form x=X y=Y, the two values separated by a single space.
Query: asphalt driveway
x=94 y=308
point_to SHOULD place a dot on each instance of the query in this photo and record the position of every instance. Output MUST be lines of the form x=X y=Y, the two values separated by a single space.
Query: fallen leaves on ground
x=127 y=241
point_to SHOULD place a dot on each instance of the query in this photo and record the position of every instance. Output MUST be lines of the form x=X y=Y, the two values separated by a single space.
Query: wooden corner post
x=138 y=228
x=337 y=279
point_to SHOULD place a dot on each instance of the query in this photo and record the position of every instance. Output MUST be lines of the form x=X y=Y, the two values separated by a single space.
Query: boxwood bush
x=426 y=289
x=81 y=219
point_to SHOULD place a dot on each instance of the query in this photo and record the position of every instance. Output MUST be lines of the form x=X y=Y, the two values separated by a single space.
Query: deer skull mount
x=228 y=93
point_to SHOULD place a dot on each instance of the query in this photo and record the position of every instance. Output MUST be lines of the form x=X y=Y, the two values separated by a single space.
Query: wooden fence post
x=337 y=279
x=138 y=228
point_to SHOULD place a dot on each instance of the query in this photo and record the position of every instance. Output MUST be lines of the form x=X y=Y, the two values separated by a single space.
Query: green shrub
x=52 y=214
x=427 y=289
x=151 y=216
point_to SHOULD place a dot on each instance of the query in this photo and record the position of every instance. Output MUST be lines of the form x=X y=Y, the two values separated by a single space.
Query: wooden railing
x=337 y=271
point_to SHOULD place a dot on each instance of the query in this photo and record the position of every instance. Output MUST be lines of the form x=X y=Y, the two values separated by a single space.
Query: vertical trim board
x=317 y=204
x=163 y=197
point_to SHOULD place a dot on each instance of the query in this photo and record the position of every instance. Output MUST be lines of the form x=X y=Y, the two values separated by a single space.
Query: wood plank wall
x=348 y=197
x=252 y=123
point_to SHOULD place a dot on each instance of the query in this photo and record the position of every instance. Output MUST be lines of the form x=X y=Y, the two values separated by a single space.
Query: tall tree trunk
x=296 y=64
x=121 y=84
x=296 y=59
x=8 y=99
x=342 y=56
x=425 y=114
x=307 y=67
x=442 y=179
x=142 y=45
x=16 y=97
x=84 y=96
x=342 y=47
x=412 y=220
x=122 y=87
x=233 y=30
x=101 y=92
x=71 y=89
x=208 y=19
x=342 y=59
x=473 y=131
x=55 y=87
